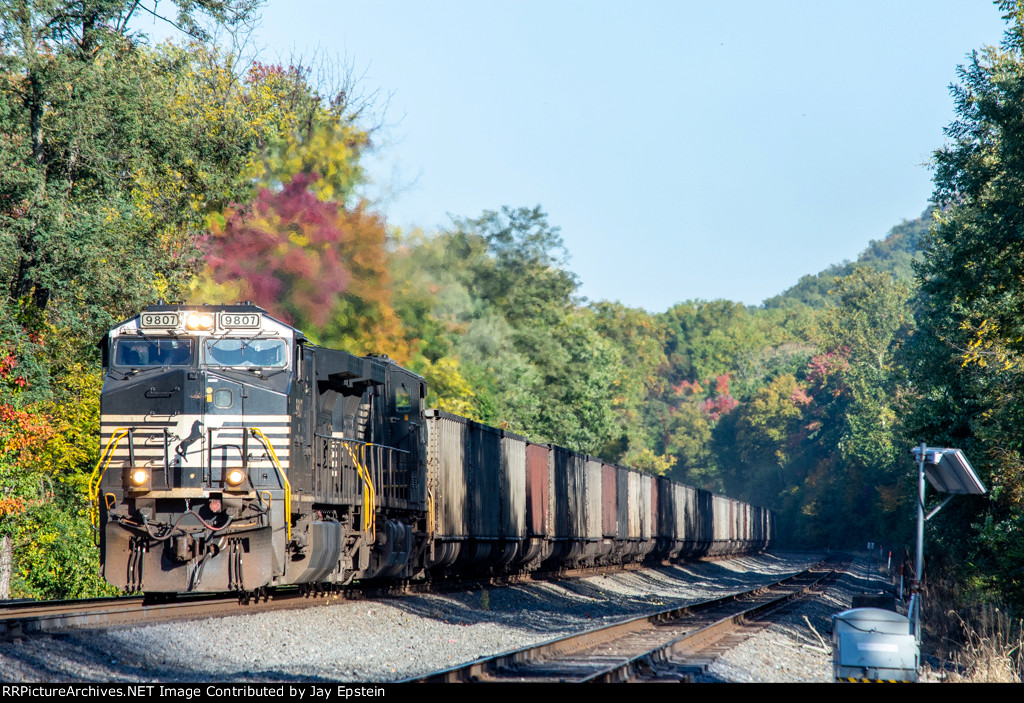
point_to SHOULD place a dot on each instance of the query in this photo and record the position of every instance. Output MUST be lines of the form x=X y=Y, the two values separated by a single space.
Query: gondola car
x=238 y=456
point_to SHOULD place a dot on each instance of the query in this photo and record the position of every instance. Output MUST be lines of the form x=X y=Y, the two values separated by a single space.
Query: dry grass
x=980 y=642
x=992 y=650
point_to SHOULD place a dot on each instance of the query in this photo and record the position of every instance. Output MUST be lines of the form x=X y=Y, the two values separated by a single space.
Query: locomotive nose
x=156 y=395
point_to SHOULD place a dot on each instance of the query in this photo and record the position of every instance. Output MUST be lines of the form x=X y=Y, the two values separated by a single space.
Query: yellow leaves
x=330 y=150
x=646 y=460
x=110 y=216
x=449 y=390
x=161 y=287
x=203 y=289
x=75 y=420
x=156 y=190
x=985 y=347
x=256 y=169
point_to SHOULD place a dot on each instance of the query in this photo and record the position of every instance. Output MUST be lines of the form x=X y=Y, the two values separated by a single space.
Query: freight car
x=238 y=456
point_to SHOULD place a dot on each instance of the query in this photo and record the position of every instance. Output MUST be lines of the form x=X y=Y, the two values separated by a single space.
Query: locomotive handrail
x=97 y=476
x=258 y=433
x=363 y=443
x=371 y=490
x=430 y=513
x=369 y=494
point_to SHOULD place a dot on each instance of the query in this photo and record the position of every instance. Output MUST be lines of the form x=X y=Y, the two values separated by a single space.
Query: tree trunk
x=6 y=559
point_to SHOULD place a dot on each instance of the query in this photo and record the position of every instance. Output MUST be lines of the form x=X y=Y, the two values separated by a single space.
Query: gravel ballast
x=391 y=639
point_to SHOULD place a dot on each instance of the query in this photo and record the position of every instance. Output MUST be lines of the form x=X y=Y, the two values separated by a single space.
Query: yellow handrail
x=369 y=495
x=371 y=490
x=97 y=475
x=257 y=432
x=430 y=513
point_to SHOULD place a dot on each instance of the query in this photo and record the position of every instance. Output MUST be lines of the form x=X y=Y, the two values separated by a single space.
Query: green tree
x=870 y=325
x=503 y=309
x=970 y=351
x=765 y=428
x=637 y=338
x=84 y=110
x=853 y=445
x=688 y=438
x=577 y=408
x=709 y=338
x=102 y=186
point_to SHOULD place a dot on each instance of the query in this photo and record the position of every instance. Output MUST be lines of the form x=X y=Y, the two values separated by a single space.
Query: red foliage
x=800 y=397
x=825 y=372
x=714 y=408
x=686 y=388
x=7 y=365
x=285 y=251
x=722 y=384
x=12 y=506
x=259 y=71
x=23 y=433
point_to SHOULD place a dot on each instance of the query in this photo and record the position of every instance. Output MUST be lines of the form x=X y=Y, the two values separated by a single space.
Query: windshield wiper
x=259 y=371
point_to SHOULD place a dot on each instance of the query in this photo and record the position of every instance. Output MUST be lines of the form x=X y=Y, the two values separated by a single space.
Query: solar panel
x=949 y=471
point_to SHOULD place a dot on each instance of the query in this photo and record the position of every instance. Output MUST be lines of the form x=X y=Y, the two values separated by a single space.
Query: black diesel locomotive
x=237 y=456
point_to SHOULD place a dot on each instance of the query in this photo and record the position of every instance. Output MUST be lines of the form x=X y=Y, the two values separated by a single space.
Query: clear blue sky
x=686 y=150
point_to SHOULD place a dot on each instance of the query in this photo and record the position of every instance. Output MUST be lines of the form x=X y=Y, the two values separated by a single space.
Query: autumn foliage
x=313 y=263
x=285 y=250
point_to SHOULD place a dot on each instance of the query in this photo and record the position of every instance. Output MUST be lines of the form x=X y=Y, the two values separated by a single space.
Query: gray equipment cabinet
x=871 y=644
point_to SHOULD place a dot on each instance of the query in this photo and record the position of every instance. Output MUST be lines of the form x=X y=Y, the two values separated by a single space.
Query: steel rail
x=30 y=618
x=670 y=656
x=632 y=648
x=19 y=618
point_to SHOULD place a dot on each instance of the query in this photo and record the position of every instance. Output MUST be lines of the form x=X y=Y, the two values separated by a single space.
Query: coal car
x=236 y=455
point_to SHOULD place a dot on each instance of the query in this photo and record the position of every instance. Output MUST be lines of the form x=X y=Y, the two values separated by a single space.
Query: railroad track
x=40 y=617
x=670 y=644
x=29 y=617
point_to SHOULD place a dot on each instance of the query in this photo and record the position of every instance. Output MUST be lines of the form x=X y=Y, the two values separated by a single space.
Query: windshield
x=153 y=352
x=246 y=353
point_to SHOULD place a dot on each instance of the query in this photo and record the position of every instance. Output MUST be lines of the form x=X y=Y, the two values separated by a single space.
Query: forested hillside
x=894 y=254
x=131 y=173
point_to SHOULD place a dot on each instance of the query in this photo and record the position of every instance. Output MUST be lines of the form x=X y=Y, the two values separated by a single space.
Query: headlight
x=138 y=478
x=235 y=477
x=199 y=321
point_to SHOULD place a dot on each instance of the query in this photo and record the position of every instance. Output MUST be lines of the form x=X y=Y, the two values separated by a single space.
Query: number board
x=240 y=320
x=159 y=320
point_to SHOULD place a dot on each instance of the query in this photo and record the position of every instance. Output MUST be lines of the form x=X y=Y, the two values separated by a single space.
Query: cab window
x=246 y=353
x=153 y=352
x=403 y=399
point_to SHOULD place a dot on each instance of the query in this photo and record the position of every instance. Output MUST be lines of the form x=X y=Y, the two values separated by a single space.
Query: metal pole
x=919 y=567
